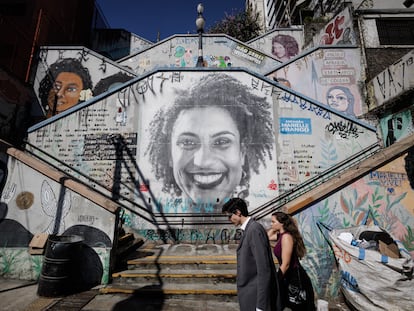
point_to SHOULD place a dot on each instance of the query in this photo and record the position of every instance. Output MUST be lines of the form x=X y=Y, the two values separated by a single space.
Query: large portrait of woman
x=210 y=142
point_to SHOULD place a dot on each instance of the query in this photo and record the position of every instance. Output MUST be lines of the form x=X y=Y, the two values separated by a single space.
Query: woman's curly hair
x=288 y=42
x=64 y=65
x=109 y=82
x=251 y=113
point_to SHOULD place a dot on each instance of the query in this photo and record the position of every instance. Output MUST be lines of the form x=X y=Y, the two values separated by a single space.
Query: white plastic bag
x=370 y=280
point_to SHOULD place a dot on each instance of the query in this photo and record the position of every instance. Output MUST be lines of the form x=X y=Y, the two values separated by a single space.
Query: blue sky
x=146 y=18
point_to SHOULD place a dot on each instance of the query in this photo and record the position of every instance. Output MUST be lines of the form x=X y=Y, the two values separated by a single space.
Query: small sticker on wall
x=24 y=200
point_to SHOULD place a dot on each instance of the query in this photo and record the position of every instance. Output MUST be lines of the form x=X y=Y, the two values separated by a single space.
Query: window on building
x=396 y=32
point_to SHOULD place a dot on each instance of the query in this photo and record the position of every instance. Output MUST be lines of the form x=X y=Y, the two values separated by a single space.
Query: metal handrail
x=217 y=219
x=311 y=183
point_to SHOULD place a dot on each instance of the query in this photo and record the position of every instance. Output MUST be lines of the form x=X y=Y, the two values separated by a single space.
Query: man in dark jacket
x=257 y=284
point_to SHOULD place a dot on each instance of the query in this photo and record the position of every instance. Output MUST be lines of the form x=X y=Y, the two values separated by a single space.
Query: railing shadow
x=306 y=186
x=148 y=298
x=121 y=150
x=157 y=217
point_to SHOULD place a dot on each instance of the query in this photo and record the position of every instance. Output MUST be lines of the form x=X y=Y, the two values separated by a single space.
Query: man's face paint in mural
x=67 y=88
x=207 y=155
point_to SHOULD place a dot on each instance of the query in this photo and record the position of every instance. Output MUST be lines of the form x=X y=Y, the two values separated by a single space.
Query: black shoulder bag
x=296 y=294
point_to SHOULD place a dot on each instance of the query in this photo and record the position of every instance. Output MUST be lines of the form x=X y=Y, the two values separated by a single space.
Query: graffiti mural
x=219 y=51
x=396 y=126
x=284 y=47
x=311 y=139
x=329 y=75
x=194 y=151
x=138 y=44
x=66 y=77
x=384 y=196
x=205 y=160
x=338 y=31
x=191 y=140
x=283 y=44
x=32 y=203
x=392 y=82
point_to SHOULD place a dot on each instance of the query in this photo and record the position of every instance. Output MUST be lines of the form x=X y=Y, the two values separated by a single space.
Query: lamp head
x=200 y=8
x=408 y=3
x=200 y=23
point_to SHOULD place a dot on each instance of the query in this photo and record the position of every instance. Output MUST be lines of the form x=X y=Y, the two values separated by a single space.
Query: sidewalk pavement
x=18 y=295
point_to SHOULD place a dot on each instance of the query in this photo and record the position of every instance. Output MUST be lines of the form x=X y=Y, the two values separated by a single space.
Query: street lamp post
x=200 y=29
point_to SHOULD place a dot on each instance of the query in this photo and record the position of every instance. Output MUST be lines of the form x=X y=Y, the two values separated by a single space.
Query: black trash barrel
x=56 y=278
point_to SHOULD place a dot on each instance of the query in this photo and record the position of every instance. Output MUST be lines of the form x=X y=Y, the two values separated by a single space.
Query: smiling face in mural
x=67 y=88
x=207 y=156
x=207 y=143
x=279 y=51
x=284 y=47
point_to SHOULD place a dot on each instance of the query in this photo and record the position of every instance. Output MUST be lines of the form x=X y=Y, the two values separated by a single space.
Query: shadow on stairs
x=177 y=277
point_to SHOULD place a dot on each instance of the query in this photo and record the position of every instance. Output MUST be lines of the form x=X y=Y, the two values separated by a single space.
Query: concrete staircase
x=182 y=274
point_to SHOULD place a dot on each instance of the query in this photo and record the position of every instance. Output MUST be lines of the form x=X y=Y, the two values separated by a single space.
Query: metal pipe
x=36 y=36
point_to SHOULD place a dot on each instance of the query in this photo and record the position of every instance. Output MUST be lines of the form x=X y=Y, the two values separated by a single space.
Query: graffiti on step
x=104 y=147
x=262 y=86
x=343 y=129
x=87 y=219
x=168 y=204
x=396 y=78
x=212 y=236
x=389 y=180
x=248 y=54
x=304 y=105
x=338 y=31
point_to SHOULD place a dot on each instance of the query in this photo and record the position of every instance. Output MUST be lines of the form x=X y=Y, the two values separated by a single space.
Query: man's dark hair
x=234 y=204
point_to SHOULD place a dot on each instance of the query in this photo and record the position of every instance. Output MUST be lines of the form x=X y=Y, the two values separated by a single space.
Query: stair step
x=174 y=289
x=129 y=246
x=176 y=273
x=143 y=302
x=180 y=260
x=175 y=259
x=144 y=277
x=149 y=302
x=181 y=271
x=128 y=237
x=189 y=249
x=184 y=262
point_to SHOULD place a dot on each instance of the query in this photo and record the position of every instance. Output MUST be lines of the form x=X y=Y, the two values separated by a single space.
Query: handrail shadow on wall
x=149 y=213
